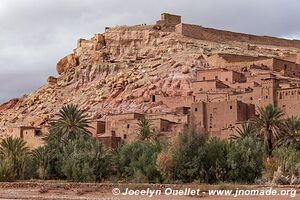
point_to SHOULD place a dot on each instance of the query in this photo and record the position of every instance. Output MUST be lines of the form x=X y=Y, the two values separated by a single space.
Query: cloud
x=34 y=34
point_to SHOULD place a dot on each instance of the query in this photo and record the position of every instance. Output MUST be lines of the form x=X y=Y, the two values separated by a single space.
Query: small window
x=230 y=107
x=204 y=78
x=128 y=125
x=124 y=136
x=196 y=109
x=251 y=98
x=210 y=126
x=226 y=79
x=216 y=77
x=266 y=97
x=163 y=129
x=285 y=66
x=153 y=98
x=113 y=133
x=37 y=132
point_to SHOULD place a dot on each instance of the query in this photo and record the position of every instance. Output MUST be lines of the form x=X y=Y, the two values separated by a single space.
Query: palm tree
x=268 y=123
x=41 y=158
x=70 y=122
x=145 y=132
x=13 y=153
x=247 y=130
x=290 y=132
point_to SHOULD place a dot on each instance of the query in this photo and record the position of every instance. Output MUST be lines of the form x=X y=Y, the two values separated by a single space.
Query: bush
x=288 y=159
x=84 y=160
x=215 y=161
x=245 y=160
x=139 y=158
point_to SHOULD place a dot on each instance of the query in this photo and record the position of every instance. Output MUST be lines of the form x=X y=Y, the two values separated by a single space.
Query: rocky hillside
x=118 y=71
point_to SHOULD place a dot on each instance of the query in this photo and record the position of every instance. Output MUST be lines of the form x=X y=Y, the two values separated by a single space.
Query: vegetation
x=144 y=132
x=256 y=149
x=268 y=124
x=13 y=155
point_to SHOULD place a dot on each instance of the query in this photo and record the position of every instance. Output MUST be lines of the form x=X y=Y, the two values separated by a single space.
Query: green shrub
x=215 y=161
x=84 y=160
x=287 y=158
x=245 y=160
x=138 y=157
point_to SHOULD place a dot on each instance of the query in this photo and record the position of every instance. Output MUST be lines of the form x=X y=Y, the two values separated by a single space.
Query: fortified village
x=171 y=73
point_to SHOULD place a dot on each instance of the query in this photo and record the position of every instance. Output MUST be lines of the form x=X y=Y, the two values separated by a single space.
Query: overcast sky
x=34 y=34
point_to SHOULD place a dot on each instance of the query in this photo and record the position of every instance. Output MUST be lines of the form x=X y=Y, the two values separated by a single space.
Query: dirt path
x=76 y=191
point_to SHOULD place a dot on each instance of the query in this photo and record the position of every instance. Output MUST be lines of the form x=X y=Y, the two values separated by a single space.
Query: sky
x=35 y=34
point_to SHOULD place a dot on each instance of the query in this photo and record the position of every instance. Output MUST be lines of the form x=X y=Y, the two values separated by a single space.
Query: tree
x=145 y=132
x=41 y=159
x=70 y=122
x=245 y=160
x=268 y=123
x=247 y=130
x=290 y=134
x=13 y=154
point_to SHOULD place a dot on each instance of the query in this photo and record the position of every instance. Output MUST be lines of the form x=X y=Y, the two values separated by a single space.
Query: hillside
x=119 y=70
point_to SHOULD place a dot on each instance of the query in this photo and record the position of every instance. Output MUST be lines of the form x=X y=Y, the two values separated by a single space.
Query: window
x=128 y=125
x=196 y=109
x=163 y=129
x=285 y=66
x=216 y=77
x=37 y=132
x=204 y=78
x=266 y=96
x=153 y=98
x=113 y=133
x=230 y=107
x=251 y=98
x=226 y=79
x=124 y=136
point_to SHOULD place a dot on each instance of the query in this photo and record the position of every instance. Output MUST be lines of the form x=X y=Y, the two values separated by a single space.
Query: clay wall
x=208 y=85
x=174 y=101
x=289 y=101
x=221 y=36
x=111 y=121
x=97 y=128
x=176 y=118
x=211 y=97
x=298 y=58
x=33 y=137
x=170 y=19
x=221 y=74
x=215 y=116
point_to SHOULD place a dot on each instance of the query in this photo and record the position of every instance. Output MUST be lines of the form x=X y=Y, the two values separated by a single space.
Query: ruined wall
x=221 y=36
